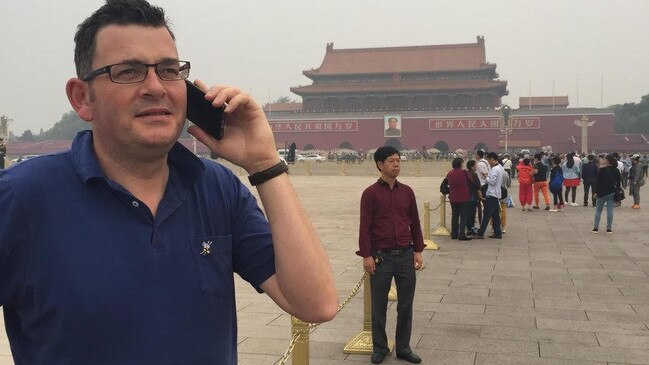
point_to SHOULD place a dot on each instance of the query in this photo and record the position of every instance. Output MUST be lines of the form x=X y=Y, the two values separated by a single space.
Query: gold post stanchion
x=392 y=294
x=362 y=342
x=441 y=230
x=430 y=244
x=308 y=168
x=343 y=168
x=300 y=354
x=418 y=167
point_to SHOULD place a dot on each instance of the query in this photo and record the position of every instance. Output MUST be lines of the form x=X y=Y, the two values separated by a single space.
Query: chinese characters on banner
x=482 y=123
x=315 y=126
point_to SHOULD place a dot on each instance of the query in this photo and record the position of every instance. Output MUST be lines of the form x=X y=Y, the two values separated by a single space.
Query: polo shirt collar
x=84 y=160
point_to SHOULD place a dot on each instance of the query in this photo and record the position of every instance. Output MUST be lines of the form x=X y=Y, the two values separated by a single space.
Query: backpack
x=444 y=187
x=557 y=180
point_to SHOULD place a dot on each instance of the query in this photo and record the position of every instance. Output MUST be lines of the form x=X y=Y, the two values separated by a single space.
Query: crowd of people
x=479 y=191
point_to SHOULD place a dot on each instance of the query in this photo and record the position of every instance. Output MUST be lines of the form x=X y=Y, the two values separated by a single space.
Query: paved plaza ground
x=550 y=292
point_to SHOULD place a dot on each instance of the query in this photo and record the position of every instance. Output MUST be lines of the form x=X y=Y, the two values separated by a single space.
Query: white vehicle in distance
x=23 y=158
x=312 y=157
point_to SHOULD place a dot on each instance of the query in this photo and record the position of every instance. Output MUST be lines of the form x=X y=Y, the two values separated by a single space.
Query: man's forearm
x=302 y=266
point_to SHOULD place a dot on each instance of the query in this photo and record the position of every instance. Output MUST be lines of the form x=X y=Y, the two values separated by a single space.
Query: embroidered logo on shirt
x=207 y=245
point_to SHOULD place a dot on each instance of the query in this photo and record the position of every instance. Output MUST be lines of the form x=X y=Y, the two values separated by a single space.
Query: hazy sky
x=263 y=46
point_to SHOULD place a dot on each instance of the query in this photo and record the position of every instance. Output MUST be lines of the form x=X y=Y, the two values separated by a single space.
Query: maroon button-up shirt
x=389 y=219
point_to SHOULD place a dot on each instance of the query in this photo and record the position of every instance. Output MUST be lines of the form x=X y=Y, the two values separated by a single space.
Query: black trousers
x=459 y=217
x=590 y=184
x=402 y=268
x=473 y=212
x=491 y=212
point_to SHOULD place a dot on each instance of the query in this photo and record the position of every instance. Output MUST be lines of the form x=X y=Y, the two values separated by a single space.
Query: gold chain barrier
x=299 y=345
x=430 y=244
x=442 y=230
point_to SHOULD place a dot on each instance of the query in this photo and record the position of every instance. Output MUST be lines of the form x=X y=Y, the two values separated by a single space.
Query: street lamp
x=505 y=123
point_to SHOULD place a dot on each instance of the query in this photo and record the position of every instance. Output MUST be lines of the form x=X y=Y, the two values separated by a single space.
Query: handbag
x=444 y=187
x=618 y=195
x=641 y=182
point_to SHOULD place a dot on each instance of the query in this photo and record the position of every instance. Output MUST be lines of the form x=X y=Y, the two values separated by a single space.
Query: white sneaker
x=574 y=204
x=553 y=210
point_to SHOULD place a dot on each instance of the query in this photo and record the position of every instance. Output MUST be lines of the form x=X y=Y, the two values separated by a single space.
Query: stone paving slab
x=593 y=353
x=538 y=335
x=496 y=359
x=549 y=293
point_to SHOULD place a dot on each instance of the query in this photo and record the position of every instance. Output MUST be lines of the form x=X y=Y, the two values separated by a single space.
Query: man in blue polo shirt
x=122 y=250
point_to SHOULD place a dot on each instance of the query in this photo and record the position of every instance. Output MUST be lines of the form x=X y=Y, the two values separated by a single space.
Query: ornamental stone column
x=584 y=123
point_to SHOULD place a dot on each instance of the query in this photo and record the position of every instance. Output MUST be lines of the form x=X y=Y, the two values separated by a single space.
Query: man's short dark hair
x=457 y=162
x=120 y=12
x=382 y=154
x=612 y=160
x=480 y=153
x=493 y=156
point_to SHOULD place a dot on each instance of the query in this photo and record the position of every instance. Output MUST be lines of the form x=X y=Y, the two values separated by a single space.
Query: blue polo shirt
x=89 y=276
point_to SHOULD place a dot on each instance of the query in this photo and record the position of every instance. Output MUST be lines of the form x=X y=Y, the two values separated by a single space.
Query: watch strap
x=271 y=172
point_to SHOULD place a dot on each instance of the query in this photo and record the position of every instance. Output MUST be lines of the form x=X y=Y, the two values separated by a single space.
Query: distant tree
x=68 y=127
x=284 y=99
x=27 y=135
x=632 y=117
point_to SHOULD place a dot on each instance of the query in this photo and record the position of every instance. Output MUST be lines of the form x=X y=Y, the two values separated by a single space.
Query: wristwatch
x=271 y=172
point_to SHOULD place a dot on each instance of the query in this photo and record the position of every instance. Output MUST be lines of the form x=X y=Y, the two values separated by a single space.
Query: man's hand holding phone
x=247 y=139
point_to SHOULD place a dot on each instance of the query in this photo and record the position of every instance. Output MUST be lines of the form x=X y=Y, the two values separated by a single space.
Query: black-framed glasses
x=133 y=72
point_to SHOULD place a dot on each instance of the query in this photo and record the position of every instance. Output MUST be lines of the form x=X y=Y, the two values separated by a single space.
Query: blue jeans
x=599 y=203
x=491 y=211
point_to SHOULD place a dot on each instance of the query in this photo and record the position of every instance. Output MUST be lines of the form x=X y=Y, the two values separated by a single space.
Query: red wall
x=366 y=131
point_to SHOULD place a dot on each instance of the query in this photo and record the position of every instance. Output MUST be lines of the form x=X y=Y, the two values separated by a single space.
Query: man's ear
x=79 y=96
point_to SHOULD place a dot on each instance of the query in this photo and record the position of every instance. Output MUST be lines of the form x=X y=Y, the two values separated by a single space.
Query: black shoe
x=586 y=204
x=377 y=357
x=464 y=238
x=410 y=357
x=536 y=207
x=478 y=237
x=496 y=236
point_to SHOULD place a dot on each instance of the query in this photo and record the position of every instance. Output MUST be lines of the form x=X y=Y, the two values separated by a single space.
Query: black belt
x=394 y=251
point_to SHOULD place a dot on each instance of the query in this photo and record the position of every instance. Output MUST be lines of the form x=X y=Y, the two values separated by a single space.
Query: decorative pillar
x=584 y=124
x=505 y=123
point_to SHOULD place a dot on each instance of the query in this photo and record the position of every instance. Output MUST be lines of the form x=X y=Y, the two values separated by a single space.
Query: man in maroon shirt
x=390 y=242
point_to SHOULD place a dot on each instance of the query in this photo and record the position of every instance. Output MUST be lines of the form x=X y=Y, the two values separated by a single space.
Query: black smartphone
x=203 y=114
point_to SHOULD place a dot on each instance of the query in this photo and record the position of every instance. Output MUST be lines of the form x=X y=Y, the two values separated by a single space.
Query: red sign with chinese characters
x=315 y=126
x=481 y=123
